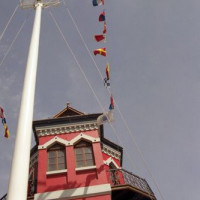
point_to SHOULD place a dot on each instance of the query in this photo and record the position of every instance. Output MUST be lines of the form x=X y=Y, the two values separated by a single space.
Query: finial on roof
x=68 y=103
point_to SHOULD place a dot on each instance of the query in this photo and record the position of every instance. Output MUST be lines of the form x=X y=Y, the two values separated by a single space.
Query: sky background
x=154 y=54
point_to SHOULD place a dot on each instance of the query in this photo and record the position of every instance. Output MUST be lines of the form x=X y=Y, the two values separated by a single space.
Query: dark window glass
x=56 y=157
x=84 y=154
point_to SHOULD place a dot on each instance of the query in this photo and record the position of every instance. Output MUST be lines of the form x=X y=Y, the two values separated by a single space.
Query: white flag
x=105 y=117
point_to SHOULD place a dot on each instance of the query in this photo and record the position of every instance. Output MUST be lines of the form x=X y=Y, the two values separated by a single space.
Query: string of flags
x=108 y=116
x=2 y=116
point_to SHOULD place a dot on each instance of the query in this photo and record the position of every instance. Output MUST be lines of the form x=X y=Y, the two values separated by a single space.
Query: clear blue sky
x=154 y=55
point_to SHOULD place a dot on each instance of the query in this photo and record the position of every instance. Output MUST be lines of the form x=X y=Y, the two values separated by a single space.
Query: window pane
x=61 y=166
x=84 y=154
x=88 y=156
x=52 y=161
x=79 y=157
x=88 y=150
x=90 y=162
x=79 y=164
x=61 y=153
x=61 y=160
x=51 y=154
x=78 y=151
x=52 y=167
x=56 y=157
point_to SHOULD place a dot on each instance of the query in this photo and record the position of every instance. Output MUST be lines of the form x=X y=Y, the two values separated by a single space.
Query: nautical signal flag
x=107 y=71
x=97 y=2
x=111 y=107
x=101 y=51
x=106 y=80
x=6 y=134
x=102 y=17
x=106 y=83
x=99 y=38
x=1 y=113
x=104 y=28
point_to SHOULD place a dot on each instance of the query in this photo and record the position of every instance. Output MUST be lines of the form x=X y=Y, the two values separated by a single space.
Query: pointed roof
x=68 y=111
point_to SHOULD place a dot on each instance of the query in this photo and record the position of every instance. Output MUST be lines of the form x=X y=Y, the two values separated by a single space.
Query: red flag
x=1 y=113
x=101 y=51
x=102 y=17
x=99 y=38
x=111 y=103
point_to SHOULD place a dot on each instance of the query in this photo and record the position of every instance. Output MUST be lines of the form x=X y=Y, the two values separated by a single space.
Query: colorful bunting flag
x=111 y=107
x=102 y=17
x=101 y=51
x=99 y=38
x=2 y=116
x=1 y=113
x=107 y=71
x=106 y=80
x=104 y=29
x=7 y=133
x=98 y=2
x=106 y=83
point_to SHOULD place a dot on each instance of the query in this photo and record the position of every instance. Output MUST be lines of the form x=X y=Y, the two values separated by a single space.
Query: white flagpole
x=18 y=183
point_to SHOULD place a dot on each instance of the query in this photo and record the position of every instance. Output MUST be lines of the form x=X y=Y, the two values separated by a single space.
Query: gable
x=68 y=111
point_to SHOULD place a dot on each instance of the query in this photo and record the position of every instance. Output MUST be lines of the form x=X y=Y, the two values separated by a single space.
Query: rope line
x=2 y=34
x=13 y=42
x=121 y=115
x=89 y=84
x=96 y=97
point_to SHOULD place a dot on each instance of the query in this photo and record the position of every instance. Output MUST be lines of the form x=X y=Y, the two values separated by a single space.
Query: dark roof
x=68 y=111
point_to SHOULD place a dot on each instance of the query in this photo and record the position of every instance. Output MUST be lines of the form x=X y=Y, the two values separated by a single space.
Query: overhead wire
x=121 y=115
x=9 y=21
x=88 y=82
x=7 y=52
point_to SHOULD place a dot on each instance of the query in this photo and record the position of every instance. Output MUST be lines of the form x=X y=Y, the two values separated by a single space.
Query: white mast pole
x=18 y=184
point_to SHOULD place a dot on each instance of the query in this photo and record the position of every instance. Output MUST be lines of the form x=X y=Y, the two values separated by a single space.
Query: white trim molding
x=81 y=192
x=59 y=140
x=83 y=136
x=53 y=141
x=110 y=160
x=56 y=172
x=86 y=168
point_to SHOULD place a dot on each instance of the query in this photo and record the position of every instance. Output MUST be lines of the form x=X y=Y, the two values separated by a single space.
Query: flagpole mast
x=18 y=183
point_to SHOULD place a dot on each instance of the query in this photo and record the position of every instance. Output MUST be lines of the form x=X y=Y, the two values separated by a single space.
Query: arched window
x=56 y=157
x=84 y=154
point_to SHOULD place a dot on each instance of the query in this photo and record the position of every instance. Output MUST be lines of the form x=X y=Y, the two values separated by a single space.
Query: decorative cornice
x=65 y=128
x=111 y=152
